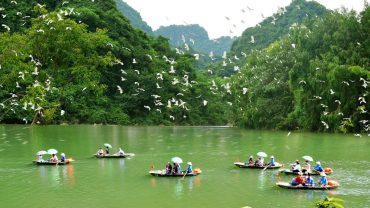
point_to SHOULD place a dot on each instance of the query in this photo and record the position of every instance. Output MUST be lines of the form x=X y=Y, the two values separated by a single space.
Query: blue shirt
x=190 y=168
x=272 y=162
x=318 y=168
x=310 y=182
x=323 y=181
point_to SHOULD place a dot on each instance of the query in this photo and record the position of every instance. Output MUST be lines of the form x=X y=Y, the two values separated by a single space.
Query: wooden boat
x=243 y=165
x=114 y=155
x=290 y=172
x=47 y=162
x=162 y=173
x=289 y=186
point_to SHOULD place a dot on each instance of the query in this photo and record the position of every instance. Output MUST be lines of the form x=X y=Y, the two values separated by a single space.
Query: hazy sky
x=211 y=14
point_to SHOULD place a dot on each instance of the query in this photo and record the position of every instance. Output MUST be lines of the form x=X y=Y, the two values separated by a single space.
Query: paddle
x=266 y=167
x=186 y=172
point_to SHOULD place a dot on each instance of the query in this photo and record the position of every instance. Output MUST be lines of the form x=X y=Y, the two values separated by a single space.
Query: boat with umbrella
x=178 y=160
x=327 y=171
x=265 y=166
x=40 y=161
x=119 y=154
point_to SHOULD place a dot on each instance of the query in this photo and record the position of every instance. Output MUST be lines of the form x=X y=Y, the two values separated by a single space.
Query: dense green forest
x=315 y=78
x=83 y=62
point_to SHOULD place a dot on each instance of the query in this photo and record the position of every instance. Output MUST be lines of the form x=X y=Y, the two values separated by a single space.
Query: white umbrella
x=52 y=151
x=42 y=152
x=308 y=158
x=108 y=145
x=176 y=160
x=261 y=154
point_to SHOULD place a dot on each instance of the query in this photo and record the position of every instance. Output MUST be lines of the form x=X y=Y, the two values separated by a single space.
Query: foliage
x=330 y=203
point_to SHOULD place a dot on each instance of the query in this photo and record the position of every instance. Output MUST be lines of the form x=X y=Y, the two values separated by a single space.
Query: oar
x=266 y=167
x=186 y=172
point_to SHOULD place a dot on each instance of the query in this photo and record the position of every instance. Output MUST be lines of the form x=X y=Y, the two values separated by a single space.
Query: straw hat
x=189 y=163
x=251 y=156
x=272 y=157
x=318 y=162
x=63 y=154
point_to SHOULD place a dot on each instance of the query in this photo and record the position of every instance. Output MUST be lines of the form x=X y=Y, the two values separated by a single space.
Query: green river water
x=91 y=182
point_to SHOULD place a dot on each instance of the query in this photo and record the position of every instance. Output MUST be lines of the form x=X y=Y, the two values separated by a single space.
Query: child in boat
x=272 y=161
x=100 y=152
x=54 y=158
x=309 y=180
x=168 y=168
x=306 y=167
x=250 y=161
x=297 y=180
x=323 y=180
x=190 y=168
x=318 y=167
x=62 y=157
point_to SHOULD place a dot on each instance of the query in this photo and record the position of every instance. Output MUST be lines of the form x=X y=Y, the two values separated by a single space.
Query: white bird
x=62 y=112
x=158 y=87
x=120 y=89
x=358 y=135
x=338 y=101
x=302 y=82
x=149 y=56
x=293 y=45
x=245 y=90
x=172 y=117
x=35 y=72
x=345 y=82
x=362 y=100
x=172 y=70
x=289 y=133
x=134 y=61
x=196 y=56
x=13 y=2
x=123 y=71
x=68 y=28
x=205 y=102
x=252 y=39
x=332 y=92
x=159 y=76
x=147 y=107
x=169 y=104
x=325 y=124
x=6 y=27
x=40 y=31
x=137 y=71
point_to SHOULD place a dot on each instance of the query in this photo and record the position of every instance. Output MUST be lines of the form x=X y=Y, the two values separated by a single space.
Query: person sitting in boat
x=168 y=168
x=298 y=180
x=107 y=150
x=175 y=169
x=296 y=167
x=62 y=157
x=39 y=158
x=100 y=152
x=120 y=152
x=178 y=168
x=306 y=167
x=318 y=167
x=54 y=158
x=190 y=168
x=272 y=161
x=309 y=180
x=323 y=180
x=250 y=161
x=259 y=162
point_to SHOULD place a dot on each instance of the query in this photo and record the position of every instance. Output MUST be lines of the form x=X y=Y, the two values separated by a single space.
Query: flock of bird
x=171 y=74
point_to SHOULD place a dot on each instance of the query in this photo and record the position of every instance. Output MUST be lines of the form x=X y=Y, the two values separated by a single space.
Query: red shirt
x=299 y=179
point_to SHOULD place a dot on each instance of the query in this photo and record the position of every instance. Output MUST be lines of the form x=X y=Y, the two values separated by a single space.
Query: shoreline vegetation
x=84 y=63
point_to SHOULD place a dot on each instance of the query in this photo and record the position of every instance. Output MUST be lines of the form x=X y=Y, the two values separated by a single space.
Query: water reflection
x=55 y=175
x=179 y=191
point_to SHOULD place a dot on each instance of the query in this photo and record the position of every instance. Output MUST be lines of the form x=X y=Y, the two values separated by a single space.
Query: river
x=91 y=182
